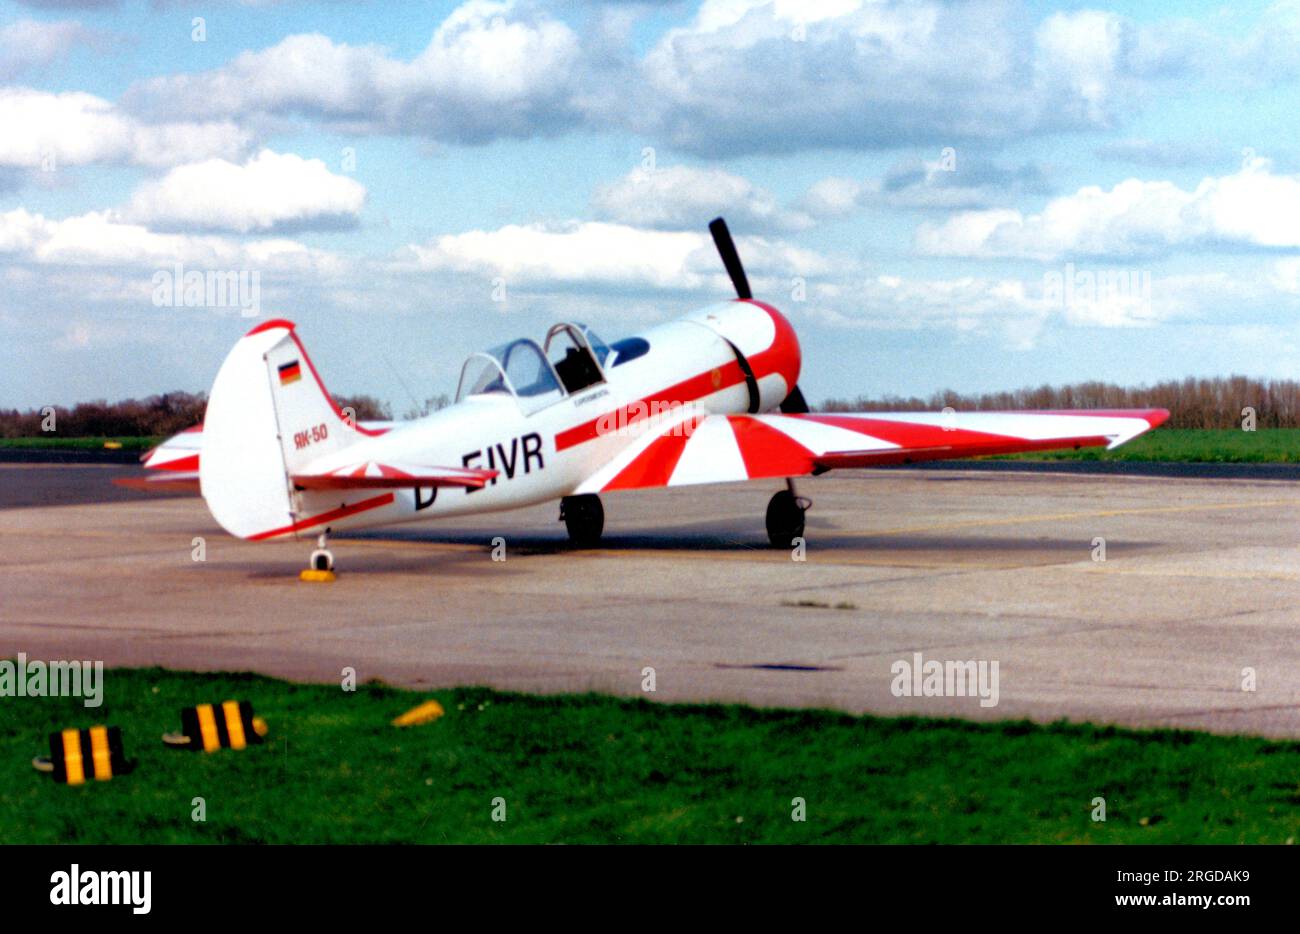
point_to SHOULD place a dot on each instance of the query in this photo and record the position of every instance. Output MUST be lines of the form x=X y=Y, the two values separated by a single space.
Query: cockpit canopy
x=570 y=361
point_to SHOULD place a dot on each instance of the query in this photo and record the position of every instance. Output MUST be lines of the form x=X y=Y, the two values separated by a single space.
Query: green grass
x=58 y=443
x=1192 y=445
x=588 y=768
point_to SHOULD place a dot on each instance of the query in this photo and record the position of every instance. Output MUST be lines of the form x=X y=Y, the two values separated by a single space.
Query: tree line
x=154 y=416
x=1192 y=402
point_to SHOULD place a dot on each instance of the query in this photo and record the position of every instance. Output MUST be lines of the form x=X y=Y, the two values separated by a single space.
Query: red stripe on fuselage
x=688 y=390
x=343 y=511
x=781 y=357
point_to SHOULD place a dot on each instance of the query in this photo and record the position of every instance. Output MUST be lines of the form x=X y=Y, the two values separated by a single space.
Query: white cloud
x=69 y=4
x=835 y=196
x=1285 y=276
x=269 y=192
x=490 y=70
x=1080 y=53
x=74 y=128
x=752 y=76
x=686 y=198
x=945 y=183
x=1160 y=154
x=1251 y=208
x=1021 y=310
x=742 y=76
x=97 y=239
x=966 y=303
x=609 y=255
x=31 y=44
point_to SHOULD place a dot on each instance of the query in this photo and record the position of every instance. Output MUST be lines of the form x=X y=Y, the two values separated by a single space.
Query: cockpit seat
x=577 y=370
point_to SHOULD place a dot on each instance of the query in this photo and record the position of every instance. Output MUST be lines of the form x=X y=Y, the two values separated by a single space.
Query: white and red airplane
x=711 y=397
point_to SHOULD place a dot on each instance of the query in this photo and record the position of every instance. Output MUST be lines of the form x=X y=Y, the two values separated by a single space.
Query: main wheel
x=584 y=517
x=785 y=517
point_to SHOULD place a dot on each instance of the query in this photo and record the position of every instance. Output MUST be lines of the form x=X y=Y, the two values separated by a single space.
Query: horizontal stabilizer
x=171 y=481
x=369 y=475
x=179 y=452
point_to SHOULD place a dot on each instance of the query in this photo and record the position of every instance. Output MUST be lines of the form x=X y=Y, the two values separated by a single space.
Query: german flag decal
x=290 y=373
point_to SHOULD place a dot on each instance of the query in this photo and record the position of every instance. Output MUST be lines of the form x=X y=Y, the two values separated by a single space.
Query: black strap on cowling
x=750 y=383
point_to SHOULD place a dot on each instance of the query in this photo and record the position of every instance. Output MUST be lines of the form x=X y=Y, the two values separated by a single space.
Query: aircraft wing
x=374 y=475
x=729 y=448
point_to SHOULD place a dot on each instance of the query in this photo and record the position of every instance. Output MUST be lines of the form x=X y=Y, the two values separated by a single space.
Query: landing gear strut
x=322 y=561
x=785 y=516
x=584 y=518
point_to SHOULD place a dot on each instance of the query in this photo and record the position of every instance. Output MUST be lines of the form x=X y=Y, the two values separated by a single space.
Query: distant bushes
x=1192 y=403
x=155 y=416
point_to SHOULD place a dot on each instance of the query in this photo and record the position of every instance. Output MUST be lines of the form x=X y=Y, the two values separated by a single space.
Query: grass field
x=1187 y=445
x=587 y=768
x=57 y=443
x=1192 y=445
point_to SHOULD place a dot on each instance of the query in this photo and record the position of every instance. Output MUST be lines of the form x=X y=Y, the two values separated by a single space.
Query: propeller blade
x=794 y=403
x=730 y=258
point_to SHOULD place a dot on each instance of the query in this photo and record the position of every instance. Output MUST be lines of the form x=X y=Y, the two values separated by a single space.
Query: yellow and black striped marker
x=209 y=727
x=78 y=755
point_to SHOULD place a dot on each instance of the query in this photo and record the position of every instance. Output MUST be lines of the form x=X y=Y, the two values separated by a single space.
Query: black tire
x=584 y=518
x=785 y=519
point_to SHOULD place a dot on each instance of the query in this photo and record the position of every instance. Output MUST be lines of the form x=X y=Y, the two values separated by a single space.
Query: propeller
x=730 y=258
x=794 y=403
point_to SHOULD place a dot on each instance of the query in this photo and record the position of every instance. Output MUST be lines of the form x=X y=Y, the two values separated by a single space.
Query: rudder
x=268 y=414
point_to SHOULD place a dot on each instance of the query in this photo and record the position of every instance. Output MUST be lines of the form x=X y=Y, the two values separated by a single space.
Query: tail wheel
x=785 y=518
x=584 y=518
x=322 y=559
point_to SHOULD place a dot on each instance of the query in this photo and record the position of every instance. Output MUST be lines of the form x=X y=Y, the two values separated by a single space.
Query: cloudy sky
x=976 y=195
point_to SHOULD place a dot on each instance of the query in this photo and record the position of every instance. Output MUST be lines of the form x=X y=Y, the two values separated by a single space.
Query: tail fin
x=268 y=415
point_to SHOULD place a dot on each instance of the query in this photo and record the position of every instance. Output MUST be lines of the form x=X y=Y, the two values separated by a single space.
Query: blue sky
x=909 y=182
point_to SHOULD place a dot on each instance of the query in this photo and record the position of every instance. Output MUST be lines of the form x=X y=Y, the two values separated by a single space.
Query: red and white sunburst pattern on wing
x=374 y=475
x=729 y=448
